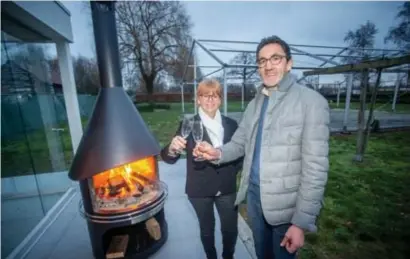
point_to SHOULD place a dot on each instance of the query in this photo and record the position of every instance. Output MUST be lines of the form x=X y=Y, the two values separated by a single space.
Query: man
x=284 y=137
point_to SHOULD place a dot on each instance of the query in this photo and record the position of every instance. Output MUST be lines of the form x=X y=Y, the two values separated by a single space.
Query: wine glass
x=186 y=129
x=197 y=134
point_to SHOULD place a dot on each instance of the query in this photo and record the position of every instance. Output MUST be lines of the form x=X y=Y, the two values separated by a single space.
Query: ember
x=126 y=187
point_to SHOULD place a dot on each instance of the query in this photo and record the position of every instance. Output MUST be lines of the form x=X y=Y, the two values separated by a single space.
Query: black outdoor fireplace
x=115 y=163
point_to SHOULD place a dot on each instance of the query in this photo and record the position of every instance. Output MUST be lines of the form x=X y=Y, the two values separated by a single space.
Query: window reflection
x=36 y=146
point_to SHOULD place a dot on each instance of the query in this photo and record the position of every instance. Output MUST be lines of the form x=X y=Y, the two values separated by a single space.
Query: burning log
x=116 y=184
x=123 y=189
x=153 y=228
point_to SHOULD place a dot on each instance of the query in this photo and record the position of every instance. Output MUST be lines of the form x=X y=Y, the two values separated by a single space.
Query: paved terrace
x=67 y=236
x=387 y=119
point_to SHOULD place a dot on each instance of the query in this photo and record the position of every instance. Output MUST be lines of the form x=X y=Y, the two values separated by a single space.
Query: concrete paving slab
x=67 y=237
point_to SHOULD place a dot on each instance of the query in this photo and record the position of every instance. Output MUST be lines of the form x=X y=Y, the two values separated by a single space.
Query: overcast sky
x=312 y=23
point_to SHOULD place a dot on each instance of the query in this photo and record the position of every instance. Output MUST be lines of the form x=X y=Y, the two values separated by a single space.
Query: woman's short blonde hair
x=209 y=86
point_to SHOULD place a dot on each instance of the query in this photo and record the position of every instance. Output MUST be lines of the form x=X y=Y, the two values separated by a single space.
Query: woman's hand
x=178 y=144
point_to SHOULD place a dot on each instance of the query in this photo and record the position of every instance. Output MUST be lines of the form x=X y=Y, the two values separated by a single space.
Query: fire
x=123 y=186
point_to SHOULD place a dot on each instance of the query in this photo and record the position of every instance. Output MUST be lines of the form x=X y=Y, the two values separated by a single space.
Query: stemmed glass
x=186 y=129
x=197 y=134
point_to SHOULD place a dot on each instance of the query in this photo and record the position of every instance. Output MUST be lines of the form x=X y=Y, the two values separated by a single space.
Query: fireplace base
x=140 y=245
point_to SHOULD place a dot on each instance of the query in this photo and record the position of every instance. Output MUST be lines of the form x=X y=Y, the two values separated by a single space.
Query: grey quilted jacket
x=294 y=153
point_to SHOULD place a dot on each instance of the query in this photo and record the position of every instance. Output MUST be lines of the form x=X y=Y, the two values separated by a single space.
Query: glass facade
x=35 y=140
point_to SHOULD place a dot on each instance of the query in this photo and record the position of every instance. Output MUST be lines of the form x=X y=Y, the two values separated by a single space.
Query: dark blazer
x=204 y=178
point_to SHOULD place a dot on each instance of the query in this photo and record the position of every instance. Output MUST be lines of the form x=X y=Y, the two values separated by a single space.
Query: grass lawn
x=367 y=206
x=19 y=158
x=163 y=123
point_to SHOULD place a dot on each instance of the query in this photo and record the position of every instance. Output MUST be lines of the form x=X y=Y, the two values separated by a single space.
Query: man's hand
x=206 y=151
x=294 y=239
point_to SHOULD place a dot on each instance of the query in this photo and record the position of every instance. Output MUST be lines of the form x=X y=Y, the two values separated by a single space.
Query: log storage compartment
x=125 y=203
x=115 y=163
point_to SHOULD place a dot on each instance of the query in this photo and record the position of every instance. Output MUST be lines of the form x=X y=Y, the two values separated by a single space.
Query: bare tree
x=25 y=67
x=86 y=75
x=150 y=35
x=178 y=66
x=28 y=55
x=248 y=75
x=361 y=40
x=400 y=34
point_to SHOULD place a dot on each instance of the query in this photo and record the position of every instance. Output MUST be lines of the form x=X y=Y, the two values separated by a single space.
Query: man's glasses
x=274 y=60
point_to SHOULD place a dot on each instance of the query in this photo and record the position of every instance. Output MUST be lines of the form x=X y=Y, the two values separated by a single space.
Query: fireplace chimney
x=116 y=133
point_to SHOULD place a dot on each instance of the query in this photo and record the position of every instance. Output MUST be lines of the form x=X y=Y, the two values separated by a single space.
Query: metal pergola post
x=183 y=75
x=195 y=86
x=225 y=94
x=338 y=95
x=187 y=60
x=243 y=94
x=182 y=98
x=396 y=91
x=347 y=102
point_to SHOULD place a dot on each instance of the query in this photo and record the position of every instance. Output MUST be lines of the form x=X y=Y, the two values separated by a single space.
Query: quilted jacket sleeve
x=315 y=163
x=235 y=148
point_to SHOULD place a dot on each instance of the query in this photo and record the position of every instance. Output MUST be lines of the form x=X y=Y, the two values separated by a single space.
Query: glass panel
x=36 y=146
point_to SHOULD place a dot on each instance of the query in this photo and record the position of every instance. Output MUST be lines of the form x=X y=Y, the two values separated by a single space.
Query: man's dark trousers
x=267 y=238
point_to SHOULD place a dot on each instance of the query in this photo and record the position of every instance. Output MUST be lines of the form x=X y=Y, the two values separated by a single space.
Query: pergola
x=296 y=50
x=376 y=64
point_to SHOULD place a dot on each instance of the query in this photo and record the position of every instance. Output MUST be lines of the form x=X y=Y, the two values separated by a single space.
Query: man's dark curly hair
x=272 y=40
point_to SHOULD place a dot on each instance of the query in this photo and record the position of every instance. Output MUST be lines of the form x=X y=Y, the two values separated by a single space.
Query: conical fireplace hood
x=116 y=133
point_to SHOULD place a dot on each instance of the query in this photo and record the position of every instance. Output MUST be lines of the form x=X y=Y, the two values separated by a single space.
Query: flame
x=126 y=180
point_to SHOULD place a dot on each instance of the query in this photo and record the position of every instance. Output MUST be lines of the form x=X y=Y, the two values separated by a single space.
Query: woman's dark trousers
x=228 y=214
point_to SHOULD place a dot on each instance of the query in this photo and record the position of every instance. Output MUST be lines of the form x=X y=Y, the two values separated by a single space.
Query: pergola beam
x=293 y=53
x=371 y=64
x=295 y=45
x=255 y=66
x=394 y=71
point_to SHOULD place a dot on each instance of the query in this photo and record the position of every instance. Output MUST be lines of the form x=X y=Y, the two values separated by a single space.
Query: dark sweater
x=254 y=176
x=205 y=179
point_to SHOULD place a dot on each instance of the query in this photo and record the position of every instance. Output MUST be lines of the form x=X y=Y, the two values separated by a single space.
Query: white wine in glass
x=186 y=129
x=197 y=134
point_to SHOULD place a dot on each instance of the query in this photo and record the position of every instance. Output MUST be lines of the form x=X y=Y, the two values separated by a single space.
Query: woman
x=208 y=184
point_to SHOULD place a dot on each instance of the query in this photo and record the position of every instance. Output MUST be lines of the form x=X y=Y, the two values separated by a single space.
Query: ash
x=132 y=201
